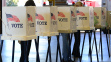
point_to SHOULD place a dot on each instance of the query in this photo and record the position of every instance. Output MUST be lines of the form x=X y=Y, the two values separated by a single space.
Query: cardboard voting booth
x=85 y=18
x=108 y=18
x=66 y=19
x=107 y=4
x=18 y=23
x=100 y=17
x=46 y=21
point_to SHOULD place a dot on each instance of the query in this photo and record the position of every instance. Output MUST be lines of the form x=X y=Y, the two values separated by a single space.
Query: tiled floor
x=7 y=49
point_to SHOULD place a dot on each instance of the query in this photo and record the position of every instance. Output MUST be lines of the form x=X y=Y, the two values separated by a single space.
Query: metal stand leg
x=37 y=49
x=1 y=46
x=83 y=46
x=49 y=50
x=0 y=58
x=1 y=50
x=57 y=53
x=101 y=45
x=58 y=49
x=13 y=50
x=90 y=52
x=107 y=43
x=96 y=47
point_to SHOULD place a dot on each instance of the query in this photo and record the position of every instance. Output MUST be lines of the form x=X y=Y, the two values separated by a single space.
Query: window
x=11 y=2
x=22 y=2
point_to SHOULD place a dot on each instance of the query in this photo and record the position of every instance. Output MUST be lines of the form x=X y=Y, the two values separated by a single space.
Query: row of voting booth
x=26 y=23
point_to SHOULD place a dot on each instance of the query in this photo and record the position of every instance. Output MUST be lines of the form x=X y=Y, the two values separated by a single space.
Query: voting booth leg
x=83 y=46
x=58 y=49
x=107 y=42
x=49 y=50
x=89 y=42
x=101 y=44
x=90 y=52
x=13 y=49
x=1 y=45
x=37 y=49
x=0 y=58
x=96 y=46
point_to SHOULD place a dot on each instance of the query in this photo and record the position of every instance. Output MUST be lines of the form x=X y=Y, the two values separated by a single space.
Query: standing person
x=26 y=44
x=65 y=49
x=76 y=47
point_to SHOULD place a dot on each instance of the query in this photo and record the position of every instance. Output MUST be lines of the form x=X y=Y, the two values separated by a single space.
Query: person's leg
x=28 y=48
x=76 y=48
x=65 y=46
x=23 y=50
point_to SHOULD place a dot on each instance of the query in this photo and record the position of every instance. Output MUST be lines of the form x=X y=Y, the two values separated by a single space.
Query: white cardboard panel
x=85 y=18
x=45 y=18
x=103 y=23
x=100 y=14
x=66 y=19
x=16 y=23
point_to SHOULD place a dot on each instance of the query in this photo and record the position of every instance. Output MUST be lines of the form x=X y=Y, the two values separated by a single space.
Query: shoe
x=71 y=61
x=76 y=60
x=22 y=60
x=64 y=60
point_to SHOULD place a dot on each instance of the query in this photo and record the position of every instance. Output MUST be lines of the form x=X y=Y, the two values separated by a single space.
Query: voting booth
x=100 y=17
x=85 y=18
x=18 y=23
x=109 y=18
x=66 y=19
x=107 y=4
x=46 y=21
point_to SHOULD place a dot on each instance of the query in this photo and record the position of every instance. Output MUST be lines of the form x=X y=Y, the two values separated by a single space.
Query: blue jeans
x=65 y=46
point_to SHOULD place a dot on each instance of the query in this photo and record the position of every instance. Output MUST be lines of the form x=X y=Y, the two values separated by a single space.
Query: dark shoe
x=76 y=60
x=76 y=53
x=64 y=60
x=71 y=61
x=22 y=60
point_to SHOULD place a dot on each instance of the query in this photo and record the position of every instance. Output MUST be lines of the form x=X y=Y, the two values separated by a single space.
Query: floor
x=7 y=49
